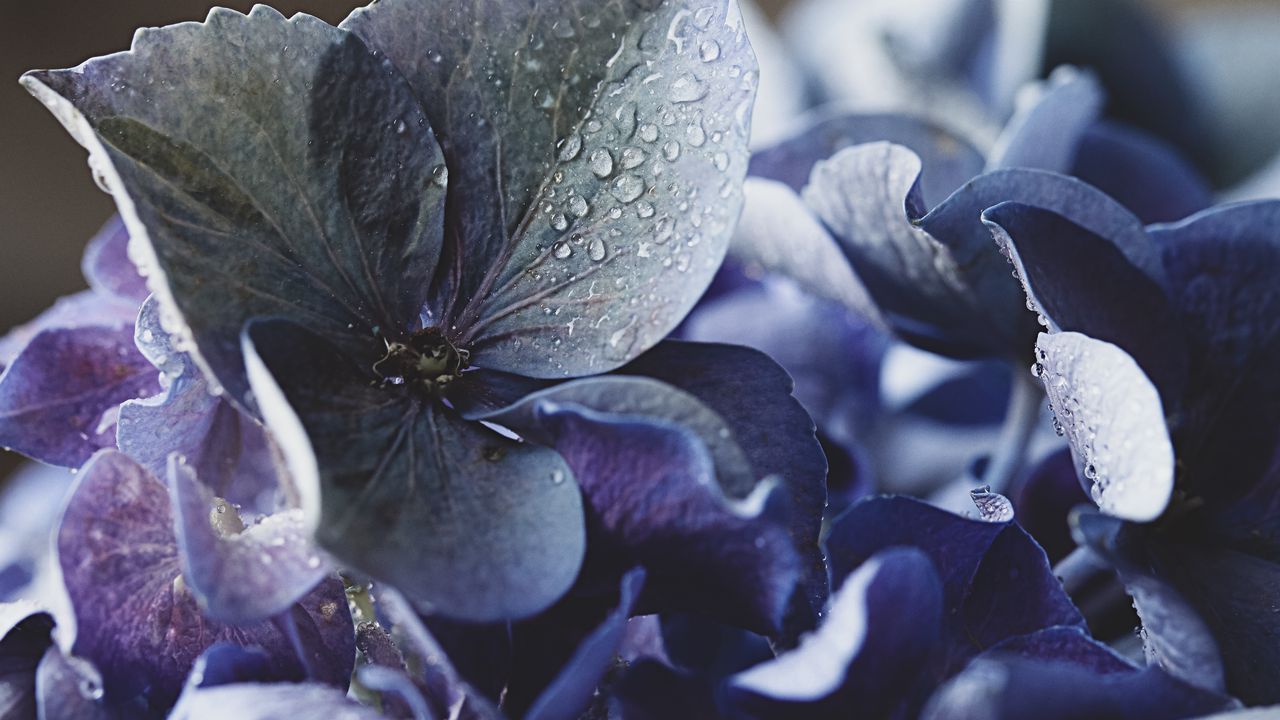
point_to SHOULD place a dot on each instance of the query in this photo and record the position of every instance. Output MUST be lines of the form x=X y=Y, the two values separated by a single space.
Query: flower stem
x=1015 y=435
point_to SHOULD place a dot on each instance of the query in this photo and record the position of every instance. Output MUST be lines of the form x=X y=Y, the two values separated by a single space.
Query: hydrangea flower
x=1158 y=363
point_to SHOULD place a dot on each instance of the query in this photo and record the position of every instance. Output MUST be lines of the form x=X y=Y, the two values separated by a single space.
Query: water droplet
x=721 y=161
x=709 y=50
x=625 y=117
x=595 y=249
x=702 y=18
x=671 y=150
x=570 y=147
x=578 y=206
x=1037 y=370
x=557 y=476
x=687 y=88
x=313 y=562
x=644 y=210
x=440 y=175
x=631 y=157
x=400 y=127
x=627 y=188
x=601 y=162
x=649 y=132
x=695 y=135
x=559 y=222
x=562 y=250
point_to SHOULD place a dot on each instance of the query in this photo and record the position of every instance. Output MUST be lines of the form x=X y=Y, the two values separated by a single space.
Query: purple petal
x=240 y=575
x=949 y=160
x=1066 y=644
x=571 y=691
x=1103 y=402
x=107 y=267
x=135 y=618
x=654 y=500
x=1221 y=264
x=70 y=688
x=54 y=396
x=1045 y=135
x=83 y=309
x=1012 y=689
x=1043 y=500
x=753 y=395
x=1082 y=282
x=975 y=560
x=272 y=701
x=870 y=653
x=1146 y=175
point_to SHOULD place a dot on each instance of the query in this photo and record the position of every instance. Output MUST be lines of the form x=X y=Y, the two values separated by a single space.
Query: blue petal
x=1043 y=501
x=107 y=267
x=271 y=701
x=1142 y=172
x=1046 y=134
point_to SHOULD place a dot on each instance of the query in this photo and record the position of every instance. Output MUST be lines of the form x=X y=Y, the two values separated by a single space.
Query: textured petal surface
x=1081 y=282
x=403 y=488
x=137 y=622
x=107 y=267
x=263 y=166
x=870 y=653
x=240 y=574
x=596 y=153
x=1113 y=420
x=653 y=499
x=55 y=397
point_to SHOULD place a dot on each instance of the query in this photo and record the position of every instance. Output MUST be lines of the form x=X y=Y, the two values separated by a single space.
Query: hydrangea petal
x=778 y=234
x=1043 y=501
x=1221 y=264
x=652 y=492
x=107 y=267
x=314 y=196
x=948 y=160
x=554 y=157
x=1113 y=420
x=134 y=619
x=407 y=491
x=1045 y=133
x=24 y=635
x=83 y=309
x=54 y=396
x=69 y=688
x=870 y=653
x=269 y=701
x=1142 y=172
x=240 y=574
x=1081 y=282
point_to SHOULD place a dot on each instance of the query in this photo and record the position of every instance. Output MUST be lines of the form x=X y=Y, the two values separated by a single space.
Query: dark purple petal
x=1142 y=172
x=1064 y=644
x=107 y=267
x=692 y=643
x=1221 y=265
x=83 y=309
x=1012 y=689
x=571 y=691
x=272 y=701
x=56 y=396
x=1045 y=135
x=557 y=212
x=1175 y=636
x=24 y=636
x=976 y=560
x=240 y=575
x=753 y=395
x=229 y=451
x=949 y=160
x=70 y=688
x=136 y=620
x=1043 y=501
x=404 y=489
x=653 y=499
x=974 y=397
x=1081 y=282
x=651 y=690
x=869 y=656
x=1113 y=420
x=778 y=234
x=312 y=192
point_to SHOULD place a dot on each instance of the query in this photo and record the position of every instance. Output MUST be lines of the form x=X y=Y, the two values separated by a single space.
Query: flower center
x=427 y=362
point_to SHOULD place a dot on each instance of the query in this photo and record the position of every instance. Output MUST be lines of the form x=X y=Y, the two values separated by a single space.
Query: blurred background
x=49 y=204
